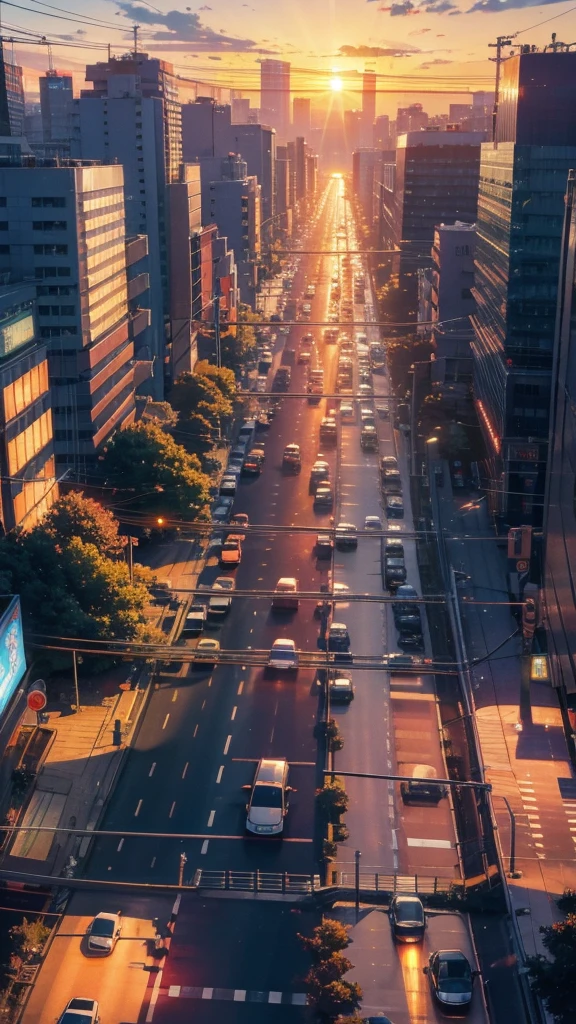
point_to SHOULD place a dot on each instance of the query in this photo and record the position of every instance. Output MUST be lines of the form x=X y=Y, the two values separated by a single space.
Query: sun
x=336 y=83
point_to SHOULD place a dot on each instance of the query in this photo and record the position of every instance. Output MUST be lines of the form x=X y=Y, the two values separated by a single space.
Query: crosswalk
x=237 y=995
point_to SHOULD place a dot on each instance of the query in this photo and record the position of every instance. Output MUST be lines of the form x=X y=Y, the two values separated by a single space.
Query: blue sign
x=12 y=658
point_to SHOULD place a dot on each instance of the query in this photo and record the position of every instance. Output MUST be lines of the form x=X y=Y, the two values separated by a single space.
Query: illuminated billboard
x=12 y=659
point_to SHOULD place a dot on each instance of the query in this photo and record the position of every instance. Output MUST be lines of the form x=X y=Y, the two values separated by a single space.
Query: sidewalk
x=525 y=755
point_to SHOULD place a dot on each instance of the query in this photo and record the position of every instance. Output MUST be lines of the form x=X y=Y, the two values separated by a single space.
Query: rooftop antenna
x=498 y=60
x=136 y=30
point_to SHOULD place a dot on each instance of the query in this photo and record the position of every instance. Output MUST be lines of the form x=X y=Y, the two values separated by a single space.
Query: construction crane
x=51 y=73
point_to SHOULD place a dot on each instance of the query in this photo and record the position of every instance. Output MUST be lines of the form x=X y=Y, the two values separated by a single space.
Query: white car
x=372 y=523
x=80 y=1011
x=346 y=412
x=228 y=484
x=283 y=655
x=220 y=604
x=104 y=933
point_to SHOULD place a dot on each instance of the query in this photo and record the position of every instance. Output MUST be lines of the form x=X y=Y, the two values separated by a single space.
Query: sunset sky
x=417 y=46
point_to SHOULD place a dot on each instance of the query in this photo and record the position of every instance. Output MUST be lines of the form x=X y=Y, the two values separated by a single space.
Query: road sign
x=521 y=565
x=36 y=700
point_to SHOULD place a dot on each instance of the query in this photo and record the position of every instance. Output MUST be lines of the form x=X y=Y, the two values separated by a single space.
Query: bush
x=554 y=981
x=332 y=800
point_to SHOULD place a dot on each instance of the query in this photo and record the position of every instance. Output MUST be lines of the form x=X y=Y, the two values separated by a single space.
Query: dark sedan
x=451 y=978
x=407 y=918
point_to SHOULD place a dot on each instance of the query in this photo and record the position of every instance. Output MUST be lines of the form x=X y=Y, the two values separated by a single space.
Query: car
x=304 y=355
x=392 y=482
x=80 y=1011
x=231 y=552
x=252 y=466
x=195 y=620
x=324 y=545
x=162 y=591
x=451 y=978
x=394 y=506
x=104 y=932
x=219 y=604
x=284 y=592
x=365 y=390
x=346 y=536
x=283 y=655
x=394 y=546
x=423 y=789
x=346 y=412
x=341 y=689
x=407 y=918
x=320 y=471
x=394 y=572
x=268 y=804
x=324 y=497
x=228 y=485
x=388 y=462
x=338 y=638
x=411 y=638
x=372 y=523
x=261 y=384
x=234 y=466
x=291 y=458
x=369 y=439
x=238 y=520
x=206 y=651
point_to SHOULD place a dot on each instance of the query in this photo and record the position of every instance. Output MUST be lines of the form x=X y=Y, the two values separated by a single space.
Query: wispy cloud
x=185 y=27
x=432 y=63
x=406 y=8
x=376 y=51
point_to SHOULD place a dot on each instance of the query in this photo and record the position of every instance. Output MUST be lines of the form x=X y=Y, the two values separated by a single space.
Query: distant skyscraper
x=11 y=98
x=520 y=211
x=382 y=132
x=368 y=107
x=56 y=97
x=411 y=119
x=275 y=95
x=301 y=119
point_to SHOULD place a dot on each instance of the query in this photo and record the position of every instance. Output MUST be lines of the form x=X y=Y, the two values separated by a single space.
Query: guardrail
x=378 y=882
x=279 y=882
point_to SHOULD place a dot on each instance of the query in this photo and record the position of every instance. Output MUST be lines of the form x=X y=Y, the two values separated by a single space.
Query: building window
x=48 y=201
x=47 y=225
x=50 y=250
x=67 y=310
x=4 y=250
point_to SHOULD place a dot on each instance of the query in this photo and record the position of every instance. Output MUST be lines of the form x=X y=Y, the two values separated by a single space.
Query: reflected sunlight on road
x=415 y=982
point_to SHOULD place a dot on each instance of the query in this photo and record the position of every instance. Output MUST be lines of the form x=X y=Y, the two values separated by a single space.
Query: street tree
x=332 y=800
x=238 y=343
x=554 y=980
x=200 y=393
x=328 y=938
x=162 y=476
x=75 y=515
x=336 y=998
x=221 y=376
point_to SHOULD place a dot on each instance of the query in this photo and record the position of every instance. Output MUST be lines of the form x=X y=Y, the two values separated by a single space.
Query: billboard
x=12 y=659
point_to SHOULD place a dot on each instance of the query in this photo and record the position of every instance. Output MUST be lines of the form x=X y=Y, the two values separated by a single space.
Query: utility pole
x=217 y=322
x=136 y=30
x=183 y=861
x=498 y=60
x=75 y=670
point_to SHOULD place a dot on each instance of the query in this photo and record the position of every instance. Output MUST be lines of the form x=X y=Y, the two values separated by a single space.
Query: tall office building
x=185 y=222
x=301 y=117
x=520 y=212
x=11 y=98
x=28 y=484
x=235 y=209
x=368 y=107
x=132 y=116
x=559 y=509
x=446 y=298
x=436 y=181
x=275 y=95
x=56 y=99
x=64 y=228
x=365 y=163
x=382 y=132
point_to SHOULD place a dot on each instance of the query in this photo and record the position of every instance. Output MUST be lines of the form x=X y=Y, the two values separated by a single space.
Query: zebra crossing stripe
x=237 y=995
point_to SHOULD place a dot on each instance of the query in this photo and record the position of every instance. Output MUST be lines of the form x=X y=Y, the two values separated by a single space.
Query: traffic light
x=529 y=616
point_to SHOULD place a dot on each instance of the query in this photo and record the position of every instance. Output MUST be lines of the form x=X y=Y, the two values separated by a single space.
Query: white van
x=268 y=803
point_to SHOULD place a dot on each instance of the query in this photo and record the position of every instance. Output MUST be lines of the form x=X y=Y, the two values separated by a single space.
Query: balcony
x=139 y=321
x=136 y=249
x=138 y=285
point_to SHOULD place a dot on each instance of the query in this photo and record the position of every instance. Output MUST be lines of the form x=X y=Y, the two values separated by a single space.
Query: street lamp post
x=183 y=862
x=75 y=671
x=357 y=856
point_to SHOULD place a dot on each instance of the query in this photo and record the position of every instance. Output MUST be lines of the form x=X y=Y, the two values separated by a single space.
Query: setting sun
x=336 y=84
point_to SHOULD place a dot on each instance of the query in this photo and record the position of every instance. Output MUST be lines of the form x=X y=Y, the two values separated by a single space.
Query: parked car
x=320 y=471
x=228 y=485
x=451 y=978
x=219 y=604
x=238 y=520
x=407 y=918
x=252 y=466
x=394 y=507
x=195 y=620
x=283 y=655
x=104 y=932
x=388 y=462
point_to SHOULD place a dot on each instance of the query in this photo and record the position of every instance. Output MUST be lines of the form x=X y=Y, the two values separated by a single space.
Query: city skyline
x=223 y=44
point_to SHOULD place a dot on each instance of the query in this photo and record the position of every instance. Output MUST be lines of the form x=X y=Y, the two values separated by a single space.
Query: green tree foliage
x=332 y=968
x=200 y=393
x=554 y=981
x=29 y=937
x=238 y=345
x=165 y=478
x=332 y=800
x=337 y=997
x=74 y=515
x=221 y=376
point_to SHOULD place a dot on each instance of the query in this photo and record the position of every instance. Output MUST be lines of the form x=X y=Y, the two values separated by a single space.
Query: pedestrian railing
x=280 y=882
x=376 y=881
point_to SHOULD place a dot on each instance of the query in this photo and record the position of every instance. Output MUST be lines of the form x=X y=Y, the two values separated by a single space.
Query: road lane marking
x=207 y=993
x=154 y=997
x=195 y=731
x=211 y=817
x=166 y=721
x=172 y=809
x=205 y=846
x=435 y=844
x=120 y=845
x=153 y=862
x=174 y=696
x=233 y=715
x=240 y=687
x=151 y=772
x=219 y=776
x=185 y=769
x=227 y=744
x=274 y=997
x=137 y=811
x=203 y=705
x=239 y=995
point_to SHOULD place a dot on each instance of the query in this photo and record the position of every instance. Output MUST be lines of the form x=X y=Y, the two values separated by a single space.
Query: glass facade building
x=519 y=225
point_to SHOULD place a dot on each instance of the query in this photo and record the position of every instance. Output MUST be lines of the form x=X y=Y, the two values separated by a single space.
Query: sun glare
x=336 y=83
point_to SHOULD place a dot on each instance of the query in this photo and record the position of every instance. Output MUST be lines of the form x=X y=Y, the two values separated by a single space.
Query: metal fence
x=279 y=882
